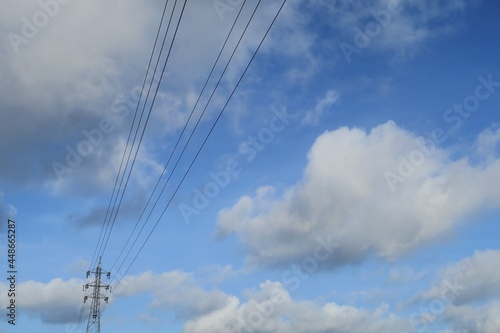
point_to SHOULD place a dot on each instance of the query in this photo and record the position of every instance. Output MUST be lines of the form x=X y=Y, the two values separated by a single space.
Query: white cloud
x=174 y=291
x=217 y=273
x=59 y=301
x=475 y=279
x=313 y=116
x=78 y=266
x=56 y=301
x=271 y=309
x=344 y=195
x=67 y=77
x=403 y=29
x=487 y=143
x=72 y=66
x=482 y=319
x=465 y=297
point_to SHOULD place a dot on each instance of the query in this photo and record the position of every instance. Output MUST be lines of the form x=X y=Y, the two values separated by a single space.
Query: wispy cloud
x=314 y=115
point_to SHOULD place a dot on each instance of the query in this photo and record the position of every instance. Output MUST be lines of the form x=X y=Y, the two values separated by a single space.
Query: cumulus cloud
x=175 y=291
x=57 y=301
x=464 y=296
x=267 y=308
x=348 y=194
x=271 y=309
x=476 y=279
x=468 y=319
x=70 y=75
x=100 y=168
x=64 y=79
x=217 y=273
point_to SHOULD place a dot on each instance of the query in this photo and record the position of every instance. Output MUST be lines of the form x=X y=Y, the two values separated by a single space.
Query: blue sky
x=349 y=185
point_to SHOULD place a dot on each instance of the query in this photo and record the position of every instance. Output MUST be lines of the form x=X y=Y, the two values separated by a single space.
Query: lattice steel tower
x=94 y=322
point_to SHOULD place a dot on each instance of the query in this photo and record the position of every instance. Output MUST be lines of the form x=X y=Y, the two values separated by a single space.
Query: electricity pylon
x=94 y=322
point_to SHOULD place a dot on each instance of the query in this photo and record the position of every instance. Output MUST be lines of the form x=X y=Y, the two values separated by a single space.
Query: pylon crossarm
x=94 y=321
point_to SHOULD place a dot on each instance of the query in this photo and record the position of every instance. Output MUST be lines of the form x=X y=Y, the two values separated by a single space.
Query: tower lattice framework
x=99 y=292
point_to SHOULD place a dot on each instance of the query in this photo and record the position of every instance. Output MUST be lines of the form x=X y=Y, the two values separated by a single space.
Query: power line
x=148 y=115
x=80 y=317
x=205 y=140
x=94 y=257
x=192 y=132
x=116 y=206
x=177 y=143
